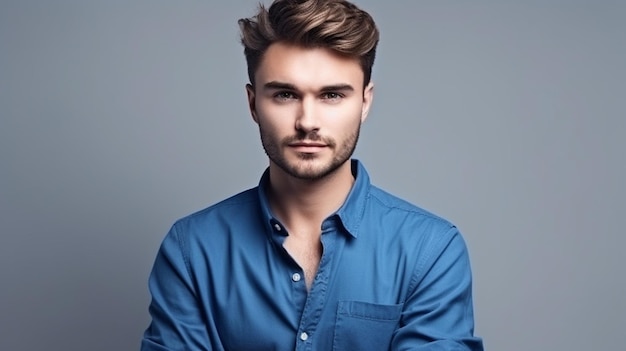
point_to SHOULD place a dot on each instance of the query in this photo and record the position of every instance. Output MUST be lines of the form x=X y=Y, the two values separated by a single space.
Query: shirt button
x=277 y=227
x=304 y=336
x=296 y=278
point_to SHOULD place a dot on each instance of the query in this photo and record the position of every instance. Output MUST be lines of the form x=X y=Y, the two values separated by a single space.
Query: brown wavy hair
x=337 y=25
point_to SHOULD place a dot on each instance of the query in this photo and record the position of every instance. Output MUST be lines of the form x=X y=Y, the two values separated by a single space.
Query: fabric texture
x=392 y=277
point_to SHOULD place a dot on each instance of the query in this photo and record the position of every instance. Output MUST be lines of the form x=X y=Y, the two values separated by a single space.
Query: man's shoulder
x=407 y=223
x=236 y=205
x=398 y=206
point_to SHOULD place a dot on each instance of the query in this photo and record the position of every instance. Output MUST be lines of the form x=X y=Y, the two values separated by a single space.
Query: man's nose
x=307 y=119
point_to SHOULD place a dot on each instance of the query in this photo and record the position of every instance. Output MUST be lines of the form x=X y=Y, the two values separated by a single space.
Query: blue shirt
x=391 y=277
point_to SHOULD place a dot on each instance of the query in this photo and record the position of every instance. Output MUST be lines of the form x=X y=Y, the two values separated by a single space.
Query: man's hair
x=337 y=25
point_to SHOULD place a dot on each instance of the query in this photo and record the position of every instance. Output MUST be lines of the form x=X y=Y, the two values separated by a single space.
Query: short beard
x=344 y=153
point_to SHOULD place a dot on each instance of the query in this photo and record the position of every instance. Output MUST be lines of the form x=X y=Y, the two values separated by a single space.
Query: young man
x=315 y=257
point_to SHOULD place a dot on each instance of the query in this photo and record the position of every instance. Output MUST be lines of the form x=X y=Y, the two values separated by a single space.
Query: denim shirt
x=391 y=277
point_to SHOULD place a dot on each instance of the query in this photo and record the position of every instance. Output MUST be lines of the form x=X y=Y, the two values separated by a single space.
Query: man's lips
x=307 y=146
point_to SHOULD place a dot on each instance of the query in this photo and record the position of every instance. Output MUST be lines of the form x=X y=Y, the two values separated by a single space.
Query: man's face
x=309 y=105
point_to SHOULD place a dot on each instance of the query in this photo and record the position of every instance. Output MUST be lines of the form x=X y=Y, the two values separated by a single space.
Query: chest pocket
x=365 y=326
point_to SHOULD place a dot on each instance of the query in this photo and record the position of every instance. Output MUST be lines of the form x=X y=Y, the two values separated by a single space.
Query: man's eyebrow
x=275 y=85
x=338 y=87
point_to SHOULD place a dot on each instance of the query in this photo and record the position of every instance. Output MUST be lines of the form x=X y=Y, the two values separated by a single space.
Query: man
x=315 y=257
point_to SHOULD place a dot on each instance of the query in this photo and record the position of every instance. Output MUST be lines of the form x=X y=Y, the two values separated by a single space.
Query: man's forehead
x=307 y=66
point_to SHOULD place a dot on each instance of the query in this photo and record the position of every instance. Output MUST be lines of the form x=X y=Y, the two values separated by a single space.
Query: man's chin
x=311 y=170
x=307 y=173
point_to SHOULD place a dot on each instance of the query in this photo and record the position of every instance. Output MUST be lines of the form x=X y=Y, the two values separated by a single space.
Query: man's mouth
x=307 y=146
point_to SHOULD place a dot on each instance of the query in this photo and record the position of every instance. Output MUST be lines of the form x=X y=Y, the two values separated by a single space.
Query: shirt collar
x=349 y=214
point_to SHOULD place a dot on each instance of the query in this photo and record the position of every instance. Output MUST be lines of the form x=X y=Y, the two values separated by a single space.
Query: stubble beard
x=304 y=168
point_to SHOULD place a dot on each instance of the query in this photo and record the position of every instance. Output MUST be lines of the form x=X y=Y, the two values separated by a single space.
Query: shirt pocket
x=365 y=326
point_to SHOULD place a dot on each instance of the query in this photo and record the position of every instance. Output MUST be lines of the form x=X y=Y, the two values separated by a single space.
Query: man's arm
x=438 y=313
x=177 y=322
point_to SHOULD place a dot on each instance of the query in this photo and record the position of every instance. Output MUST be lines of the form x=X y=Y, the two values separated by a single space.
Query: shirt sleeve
x=438 y=313
x=177 y=321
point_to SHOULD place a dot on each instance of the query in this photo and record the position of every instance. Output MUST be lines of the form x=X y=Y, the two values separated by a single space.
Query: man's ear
x=368 y=96
x=251 y=101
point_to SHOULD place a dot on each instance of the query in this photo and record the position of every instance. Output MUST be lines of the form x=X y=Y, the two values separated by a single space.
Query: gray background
x=118 y=117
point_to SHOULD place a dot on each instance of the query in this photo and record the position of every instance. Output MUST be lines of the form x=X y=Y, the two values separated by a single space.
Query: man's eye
x=284 y=95
x=331 y=96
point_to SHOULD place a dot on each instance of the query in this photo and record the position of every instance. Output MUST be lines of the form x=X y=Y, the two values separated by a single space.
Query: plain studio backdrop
x=119 y=117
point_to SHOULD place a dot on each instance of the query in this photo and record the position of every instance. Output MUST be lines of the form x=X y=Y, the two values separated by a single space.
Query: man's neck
x=298 y=202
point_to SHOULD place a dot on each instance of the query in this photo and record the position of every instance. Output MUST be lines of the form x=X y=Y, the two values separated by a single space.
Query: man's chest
x=307 y=253
x=260 y=300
